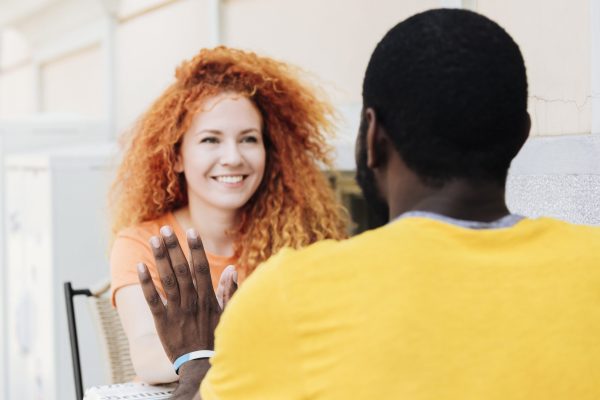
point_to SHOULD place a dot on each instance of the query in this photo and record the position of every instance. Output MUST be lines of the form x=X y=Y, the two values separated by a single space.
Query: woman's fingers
x=227 y=286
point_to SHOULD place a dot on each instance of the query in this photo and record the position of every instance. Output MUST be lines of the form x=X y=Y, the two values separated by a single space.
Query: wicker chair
x=112 y=337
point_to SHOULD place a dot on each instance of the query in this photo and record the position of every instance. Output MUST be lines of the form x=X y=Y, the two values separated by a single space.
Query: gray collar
x=505 y=222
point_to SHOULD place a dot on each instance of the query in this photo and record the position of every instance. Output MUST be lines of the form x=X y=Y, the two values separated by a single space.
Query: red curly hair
x=293 y=206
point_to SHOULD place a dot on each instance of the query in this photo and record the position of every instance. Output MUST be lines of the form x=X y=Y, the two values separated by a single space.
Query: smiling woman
x=233 y=149
x=222 y=155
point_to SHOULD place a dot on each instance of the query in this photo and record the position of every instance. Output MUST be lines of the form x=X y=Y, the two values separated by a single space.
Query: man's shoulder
x=578 y=232
x=326 y=256
x=326 y=249
x=291 y=277
x=329 y=258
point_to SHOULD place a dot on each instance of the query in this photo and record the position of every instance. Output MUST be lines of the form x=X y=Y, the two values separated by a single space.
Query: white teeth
x=230 y=179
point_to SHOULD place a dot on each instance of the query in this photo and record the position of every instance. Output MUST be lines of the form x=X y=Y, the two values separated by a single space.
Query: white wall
x=150 y=47
x=17 y=77
x=17 y=88
x=332 y=39
x=555 y=39
x=74 y=83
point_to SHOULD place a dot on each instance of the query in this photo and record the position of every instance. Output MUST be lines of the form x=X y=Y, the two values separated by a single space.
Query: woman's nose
x=231 y=154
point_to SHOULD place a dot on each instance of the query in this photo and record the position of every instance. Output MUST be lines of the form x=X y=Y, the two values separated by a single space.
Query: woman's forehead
x=227 y=111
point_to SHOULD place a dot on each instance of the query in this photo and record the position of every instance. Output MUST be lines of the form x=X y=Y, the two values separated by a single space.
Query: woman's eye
x=250 y=139
x=209 y=140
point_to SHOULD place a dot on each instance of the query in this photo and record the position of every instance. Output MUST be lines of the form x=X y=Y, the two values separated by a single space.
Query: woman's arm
x=147 y=354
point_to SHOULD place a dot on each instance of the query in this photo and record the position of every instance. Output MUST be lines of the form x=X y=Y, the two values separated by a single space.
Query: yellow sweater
x=419 y=309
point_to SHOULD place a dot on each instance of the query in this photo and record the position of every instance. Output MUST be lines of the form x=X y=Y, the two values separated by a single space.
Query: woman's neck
x=212 y=225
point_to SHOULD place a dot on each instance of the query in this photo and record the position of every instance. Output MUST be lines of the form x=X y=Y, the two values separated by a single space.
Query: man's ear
x=524 y=132
x=376 y=142
x=526 y=128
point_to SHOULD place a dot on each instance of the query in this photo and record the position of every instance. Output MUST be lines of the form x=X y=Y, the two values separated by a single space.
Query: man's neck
x=458 y=199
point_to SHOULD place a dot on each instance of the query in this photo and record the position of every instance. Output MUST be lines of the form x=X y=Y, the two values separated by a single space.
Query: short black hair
x=449 y=87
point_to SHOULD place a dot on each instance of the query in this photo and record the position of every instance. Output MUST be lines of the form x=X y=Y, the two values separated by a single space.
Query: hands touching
x=188 y=321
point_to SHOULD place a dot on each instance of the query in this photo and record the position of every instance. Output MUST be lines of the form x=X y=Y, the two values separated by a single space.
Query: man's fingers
x=200 y=268
x=227 y=286
x=180 y=268
x=150 y=293
x=167 y=276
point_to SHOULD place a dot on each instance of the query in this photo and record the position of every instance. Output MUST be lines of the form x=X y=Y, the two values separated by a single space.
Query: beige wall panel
x=75 y=83
x=129 y=7
x=17 y=92
x=332 y=39
x=555 y=38
x=149 y=48
x=14 y=48
x=59 y=20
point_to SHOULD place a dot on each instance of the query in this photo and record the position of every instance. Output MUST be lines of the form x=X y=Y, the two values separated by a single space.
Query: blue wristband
x=194 y=355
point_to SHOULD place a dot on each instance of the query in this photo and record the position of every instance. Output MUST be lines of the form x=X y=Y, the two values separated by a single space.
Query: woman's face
x=223 y=155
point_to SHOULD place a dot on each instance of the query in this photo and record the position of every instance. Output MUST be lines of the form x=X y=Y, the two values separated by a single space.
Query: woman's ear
x=178 y=167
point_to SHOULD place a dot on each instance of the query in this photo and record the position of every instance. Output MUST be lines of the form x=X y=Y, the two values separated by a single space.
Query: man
x=454 y=298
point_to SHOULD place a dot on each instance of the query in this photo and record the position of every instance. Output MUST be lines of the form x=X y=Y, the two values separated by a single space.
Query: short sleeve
x=254 y=358
x=128 y=250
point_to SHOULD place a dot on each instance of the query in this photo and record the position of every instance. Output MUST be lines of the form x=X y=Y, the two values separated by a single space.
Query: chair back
x=113 y=340
x=111 y=334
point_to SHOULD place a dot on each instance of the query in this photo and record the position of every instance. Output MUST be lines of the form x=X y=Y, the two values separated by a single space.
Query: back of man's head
x=450 y=89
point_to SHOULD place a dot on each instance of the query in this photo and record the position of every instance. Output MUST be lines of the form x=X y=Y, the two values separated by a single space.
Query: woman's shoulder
x=133 y=241
x=146 y=229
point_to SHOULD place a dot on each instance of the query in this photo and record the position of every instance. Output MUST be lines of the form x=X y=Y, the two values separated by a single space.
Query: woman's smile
x=232 y=181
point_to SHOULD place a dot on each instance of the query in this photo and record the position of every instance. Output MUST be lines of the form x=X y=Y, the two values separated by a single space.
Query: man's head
x=448 y=89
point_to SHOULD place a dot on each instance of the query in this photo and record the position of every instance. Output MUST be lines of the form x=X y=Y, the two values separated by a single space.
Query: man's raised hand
x=187 y=322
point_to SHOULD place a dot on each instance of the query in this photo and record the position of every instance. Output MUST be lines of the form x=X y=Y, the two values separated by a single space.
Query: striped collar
x=505 y=222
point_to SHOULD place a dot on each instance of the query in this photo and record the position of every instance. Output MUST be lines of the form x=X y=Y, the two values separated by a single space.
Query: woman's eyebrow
x=249 y=130
x=218 y=132
x=213 y=131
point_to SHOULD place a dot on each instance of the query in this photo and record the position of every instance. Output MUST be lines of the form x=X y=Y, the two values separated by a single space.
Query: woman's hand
x=188 y=321
x=227 y=285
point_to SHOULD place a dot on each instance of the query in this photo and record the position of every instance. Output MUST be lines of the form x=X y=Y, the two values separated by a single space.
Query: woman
x=233 y=148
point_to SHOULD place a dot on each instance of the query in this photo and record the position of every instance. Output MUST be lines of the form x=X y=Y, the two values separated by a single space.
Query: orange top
x=132 y=246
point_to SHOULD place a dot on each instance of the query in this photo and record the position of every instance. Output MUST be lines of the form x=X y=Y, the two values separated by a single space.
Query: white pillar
x=595 y=67
x=451 y=4
x=215 y=22
x=465 y=4
x=109 y=43
x=109 y=49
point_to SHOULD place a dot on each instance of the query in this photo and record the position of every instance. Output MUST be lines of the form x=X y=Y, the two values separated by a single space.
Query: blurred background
x=75 y=74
